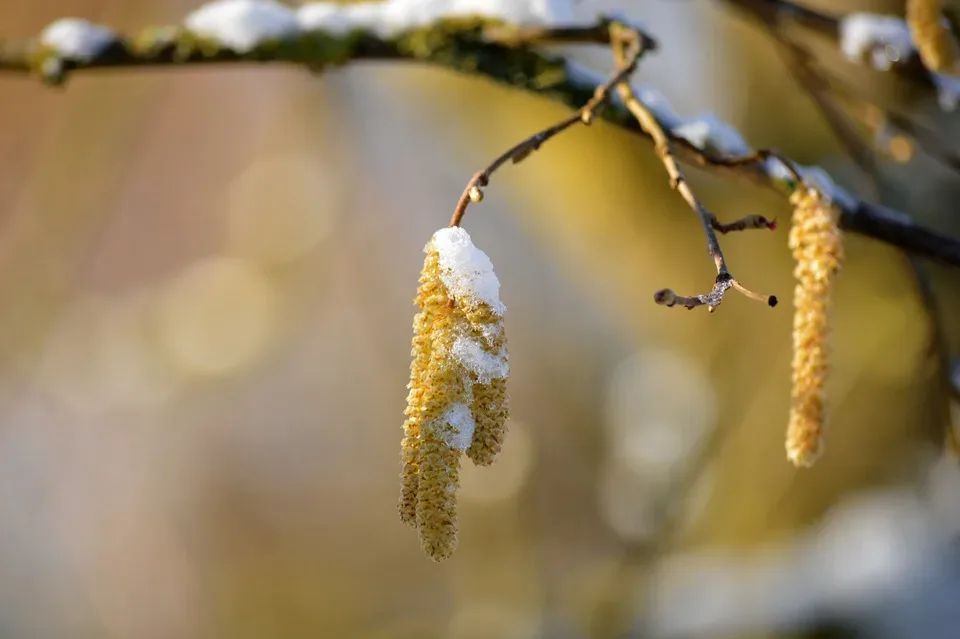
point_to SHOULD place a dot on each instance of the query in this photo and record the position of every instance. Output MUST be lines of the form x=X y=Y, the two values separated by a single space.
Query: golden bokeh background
x=206 y=279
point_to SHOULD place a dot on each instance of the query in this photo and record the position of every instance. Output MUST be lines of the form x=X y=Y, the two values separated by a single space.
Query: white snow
x=819 y=178
x=241 y=25
x=392 y=17
x=708 y=132
x=884 y=39
x=486 y=366
x=324 y=16
x=815 y=177
x=650 y=97
x=465 y=270
x=776 y=170
x=460 y=419
x=77 y=39
x=376 y=17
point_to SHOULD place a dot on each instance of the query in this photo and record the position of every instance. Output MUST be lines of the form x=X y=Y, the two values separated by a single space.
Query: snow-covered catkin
x=446 y=387
x=490 y=407
x=457 y=385
x=933 y=39
x=818 y=251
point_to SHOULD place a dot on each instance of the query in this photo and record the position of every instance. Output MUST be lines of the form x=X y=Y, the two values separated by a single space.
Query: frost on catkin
x=490 y=412
x=818 y=251
x=457 y=385
x=933 y=39
x=489 y=407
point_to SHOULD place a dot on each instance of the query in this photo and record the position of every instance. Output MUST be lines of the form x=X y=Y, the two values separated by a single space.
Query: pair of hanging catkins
x=457 y=401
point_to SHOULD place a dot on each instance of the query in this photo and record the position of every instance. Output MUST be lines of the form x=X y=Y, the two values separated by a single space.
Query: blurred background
x=207 y=279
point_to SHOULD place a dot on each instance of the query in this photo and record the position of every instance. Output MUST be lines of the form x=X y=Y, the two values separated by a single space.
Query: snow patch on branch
x=324 y=16
x=392 y=17
x=77 y=39
x=465 y=270
x=706 y=132
x=241 y=25
x=814 y=177
x=650 y=97
x=881 y=39
x=884 y=41
x=709 y=133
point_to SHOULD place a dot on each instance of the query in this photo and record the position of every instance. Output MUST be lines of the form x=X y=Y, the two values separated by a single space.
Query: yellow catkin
x=818 y=251
x=455 y=402
x=490 y=407
x=431 y=298
x=437 y=503
x=935 y=43
x=490 y=410
x=439 y=462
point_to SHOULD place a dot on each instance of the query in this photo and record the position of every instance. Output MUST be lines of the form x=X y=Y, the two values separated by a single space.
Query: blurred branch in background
x=264 y=31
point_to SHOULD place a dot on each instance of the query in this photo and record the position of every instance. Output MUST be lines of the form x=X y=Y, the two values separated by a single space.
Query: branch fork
x=628 y=45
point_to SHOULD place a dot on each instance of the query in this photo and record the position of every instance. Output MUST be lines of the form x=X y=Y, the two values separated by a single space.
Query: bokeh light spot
x=280 y=208
x=218 y=316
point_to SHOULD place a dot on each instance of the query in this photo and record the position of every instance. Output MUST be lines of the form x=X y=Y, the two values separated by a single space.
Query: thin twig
x=743 y=224
x=585 y=115
x=624 y=50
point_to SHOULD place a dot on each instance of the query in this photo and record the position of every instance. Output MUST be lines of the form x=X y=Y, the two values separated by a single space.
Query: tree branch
x=585 y=115
x=825 y=25
x=486 y=48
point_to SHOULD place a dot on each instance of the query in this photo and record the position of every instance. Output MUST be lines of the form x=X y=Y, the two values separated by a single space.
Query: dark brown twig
x=743 y=224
